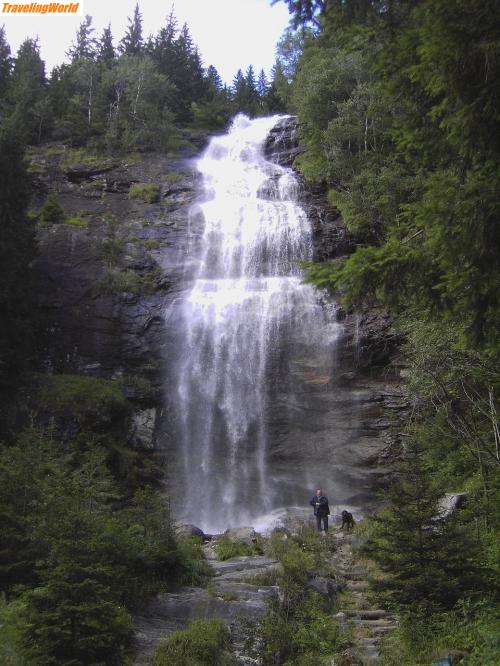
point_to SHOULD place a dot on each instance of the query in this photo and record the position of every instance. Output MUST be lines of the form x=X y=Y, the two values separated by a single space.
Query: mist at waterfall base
x=247 y=326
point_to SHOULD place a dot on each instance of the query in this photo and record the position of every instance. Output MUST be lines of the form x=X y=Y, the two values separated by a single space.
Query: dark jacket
x=323 y=509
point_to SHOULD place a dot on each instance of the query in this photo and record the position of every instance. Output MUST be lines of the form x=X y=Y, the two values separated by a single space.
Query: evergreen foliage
x=397 y=105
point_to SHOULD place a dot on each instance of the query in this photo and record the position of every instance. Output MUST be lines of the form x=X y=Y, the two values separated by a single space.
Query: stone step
x=244 y=575
x=366 y=614
x=373 y=624
x=232 y=590
x=243 y=562
x=360 y=585
x=385 y=629
x=368 y=641
x=368 y=653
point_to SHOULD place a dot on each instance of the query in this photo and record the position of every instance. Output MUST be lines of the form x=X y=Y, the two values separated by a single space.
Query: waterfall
x=246 y=325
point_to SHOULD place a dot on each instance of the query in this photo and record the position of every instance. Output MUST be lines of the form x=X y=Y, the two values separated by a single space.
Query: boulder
x=190 y=531
x=143 y=428
x=449 y=503
x=244 y=534
x=324 y=586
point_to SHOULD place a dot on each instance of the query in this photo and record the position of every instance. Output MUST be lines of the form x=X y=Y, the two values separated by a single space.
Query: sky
x=229 y=33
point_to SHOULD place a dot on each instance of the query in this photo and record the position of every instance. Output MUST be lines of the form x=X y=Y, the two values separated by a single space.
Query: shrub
x=52 y=212
x=90 y=400
x=115 y=281
x=147 y=192
x=205 y=643
x=118 y=282
x=194 y=569
x=226 y=548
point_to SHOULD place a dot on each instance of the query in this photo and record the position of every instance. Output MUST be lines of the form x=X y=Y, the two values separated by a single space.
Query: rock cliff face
x=98 y=325
x=104 y=287
x=363 y=404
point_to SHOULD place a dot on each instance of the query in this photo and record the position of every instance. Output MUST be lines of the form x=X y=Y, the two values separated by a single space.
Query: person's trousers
x=320 y=518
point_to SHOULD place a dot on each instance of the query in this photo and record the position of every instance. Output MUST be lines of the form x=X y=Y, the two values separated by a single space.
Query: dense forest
x=398 y=106
x=86 y=535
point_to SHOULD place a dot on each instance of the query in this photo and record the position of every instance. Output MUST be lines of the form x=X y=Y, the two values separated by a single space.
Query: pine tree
x=245 y=97
x=5 y=64
x=106 y=50
x=26 y=90
x=132 y=43
x=262 y=84
x=85 y=45
x=429 y=561
x=305 y=11
x=214 y=79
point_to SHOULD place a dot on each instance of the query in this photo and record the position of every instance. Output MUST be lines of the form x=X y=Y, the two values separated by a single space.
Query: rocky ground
x=234 y=595
x=242 y=587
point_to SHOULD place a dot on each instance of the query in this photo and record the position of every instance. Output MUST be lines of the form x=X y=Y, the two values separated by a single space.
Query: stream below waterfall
x=256 y=422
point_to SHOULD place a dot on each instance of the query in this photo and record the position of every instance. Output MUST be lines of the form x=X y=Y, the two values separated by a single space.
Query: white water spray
x=247 y=314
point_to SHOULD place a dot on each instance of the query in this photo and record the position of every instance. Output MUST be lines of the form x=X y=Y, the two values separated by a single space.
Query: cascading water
x=246 y=321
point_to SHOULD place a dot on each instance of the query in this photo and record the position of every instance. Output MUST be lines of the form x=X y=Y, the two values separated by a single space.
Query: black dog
x=347 y=520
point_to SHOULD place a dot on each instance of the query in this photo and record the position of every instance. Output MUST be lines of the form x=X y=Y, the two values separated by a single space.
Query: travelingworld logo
x=42 y=8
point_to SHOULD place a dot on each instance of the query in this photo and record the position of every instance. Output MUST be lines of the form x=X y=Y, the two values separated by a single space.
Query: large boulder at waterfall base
x=243 y=534
x=188 y=530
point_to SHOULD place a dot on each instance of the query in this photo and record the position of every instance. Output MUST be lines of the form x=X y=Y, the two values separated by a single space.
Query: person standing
x=321 y=509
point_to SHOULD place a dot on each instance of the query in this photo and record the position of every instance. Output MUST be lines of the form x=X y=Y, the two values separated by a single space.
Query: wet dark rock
x=78 y=174
x=112 y=334
x=190 y=531
x=282 y=144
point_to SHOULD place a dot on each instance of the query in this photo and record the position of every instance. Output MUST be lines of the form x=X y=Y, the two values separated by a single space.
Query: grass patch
x=204 y=643
x=147 y=192
x=79 y=157
x=171 y=177
x=265 y=578
x=214 y=592
x=76 y=221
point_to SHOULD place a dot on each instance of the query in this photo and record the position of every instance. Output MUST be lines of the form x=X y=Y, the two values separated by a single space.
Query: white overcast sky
x=229 y=33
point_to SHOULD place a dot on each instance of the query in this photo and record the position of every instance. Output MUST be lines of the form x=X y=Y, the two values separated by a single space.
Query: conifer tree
x=5 y=64
x=132 y=42
x=431 y=560
x=106 y=50
x=214 y=79
x=85 y=45
x=27 y=90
